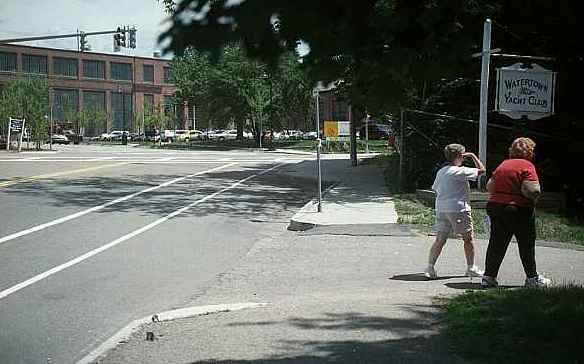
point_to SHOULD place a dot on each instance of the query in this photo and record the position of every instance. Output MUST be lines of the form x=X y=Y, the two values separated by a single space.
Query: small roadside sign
x=15 y=126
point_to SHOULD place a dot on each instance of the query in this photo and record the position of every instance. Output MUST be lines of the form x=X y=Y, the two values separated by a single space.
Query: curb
x=125 y=333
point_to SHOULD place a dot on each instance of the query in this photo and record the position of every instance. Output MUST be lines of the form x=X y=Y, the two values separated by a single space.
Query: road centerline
x=5 y=293
x=107 y=204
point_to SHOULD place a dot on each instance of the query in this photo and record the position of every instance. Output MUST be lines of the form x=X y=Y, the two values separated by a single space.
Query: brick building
x=122 y=88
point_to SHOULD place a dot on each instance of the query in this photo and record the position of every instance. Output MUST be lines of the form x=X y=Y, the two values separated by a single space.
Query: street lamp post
x=318 y=146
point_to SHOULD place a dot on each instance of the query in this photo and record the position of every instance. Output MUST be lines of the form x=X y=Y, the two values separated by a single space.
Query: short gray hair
x=451 y=151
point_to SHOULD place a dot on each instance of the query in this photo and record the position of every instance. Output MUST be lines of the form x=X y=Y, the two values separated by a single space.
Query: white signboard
x=525 y=92
x=344 y=128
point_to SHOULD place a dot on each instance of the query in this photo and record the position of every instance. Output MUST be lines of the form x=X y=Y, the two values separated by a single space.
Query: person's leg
x=498 y=240
x=442 y=228
x=525 y=233
x=436 y=248
x=464 y=228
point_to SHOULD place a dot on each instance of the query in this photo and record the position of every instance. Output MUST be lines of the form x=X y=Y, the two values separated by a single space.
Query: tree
x=236 y=88
x=27 y=98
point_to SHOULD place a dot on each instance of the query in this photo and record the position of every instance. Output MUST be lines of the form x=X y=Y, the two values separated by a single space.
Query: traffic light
x=83 y=46
x=119 y=39
x=132 y=32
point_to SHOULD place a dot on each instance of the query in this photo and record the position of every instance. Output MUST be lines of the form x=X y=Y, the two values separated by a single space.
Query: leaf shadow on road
x=281 y=190
x=411 y=337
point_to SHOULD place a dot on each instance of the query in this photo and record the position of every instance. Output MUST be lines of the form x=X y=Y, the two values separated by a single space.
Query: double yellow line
x=56 y=174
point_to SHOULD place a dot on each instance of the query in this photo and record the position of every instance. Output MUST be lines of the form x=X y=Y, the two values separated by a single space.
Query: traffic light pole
x=18 y=40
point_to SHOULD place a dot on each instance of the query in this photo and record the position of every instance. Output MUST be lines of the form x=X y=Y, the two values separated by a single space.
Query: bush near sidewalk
x=549 y=226
x=536 y=325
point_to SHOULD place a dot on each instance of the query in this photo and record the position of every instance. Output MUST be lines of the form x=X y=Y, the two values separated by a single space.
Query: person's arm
x=491 y=185
x=477 y=162
x=531 y=190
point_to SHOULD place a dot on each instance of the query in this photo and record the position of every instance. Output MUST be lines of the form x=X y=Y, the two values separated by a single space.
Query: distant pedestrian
x=453 y=207
x=513 y=192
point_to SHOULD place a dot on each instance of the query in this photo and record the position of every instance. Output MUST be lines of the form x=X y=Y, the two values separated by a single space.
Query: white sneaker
x=430 y=273
x=474 y=271
x=489 y=282
x=539 y=281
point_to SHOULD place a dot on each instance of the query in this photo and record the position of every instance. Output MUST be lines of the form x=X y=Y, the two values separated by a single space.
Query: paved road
x=92 y=238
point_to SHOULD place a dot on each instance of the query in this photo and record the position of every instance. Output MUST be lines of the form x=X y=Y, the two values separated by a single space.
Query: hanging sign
x=525 y=92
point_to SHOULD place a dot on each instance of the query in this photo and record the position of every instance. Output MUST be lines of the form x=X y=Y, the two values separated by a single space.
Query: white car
x=117 y=135
x=225 y=135
x=189 y=135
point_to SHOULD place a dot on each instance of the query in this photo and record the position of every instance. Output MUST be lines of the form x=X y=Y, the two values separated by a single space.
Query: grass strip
x=536 y=325
x=412 y=211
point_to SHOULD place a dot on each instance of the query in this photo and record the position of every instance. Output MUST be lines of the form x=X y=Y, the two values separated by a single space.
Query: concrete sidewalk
x=358 y=198
x=336 y=292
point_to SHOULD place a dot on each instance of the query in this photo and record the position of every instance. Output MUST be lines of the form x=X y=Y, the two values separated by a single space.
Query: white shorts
x=454 y=223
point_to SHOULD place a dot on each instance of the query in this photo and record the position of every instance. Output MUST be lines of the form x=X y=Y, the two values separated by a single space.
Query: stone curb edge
x=125 y=333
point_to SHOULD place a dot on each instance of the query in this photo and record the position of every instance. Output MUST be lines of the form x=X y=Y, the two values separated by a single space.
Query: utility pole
x=486 y=60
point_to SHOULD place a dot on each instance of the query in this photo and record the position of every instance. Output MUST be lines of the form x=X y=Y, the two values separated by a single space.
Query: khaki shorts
x=454 y=223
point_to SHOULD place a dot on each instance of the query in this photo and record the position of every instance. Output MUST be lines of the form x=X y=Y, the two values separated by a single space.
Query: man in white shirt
x=453 y=207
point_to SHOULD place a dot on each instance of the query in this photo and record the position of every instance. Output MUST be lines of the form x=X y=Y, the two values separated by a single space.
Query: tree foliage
x=27 y=98
x=247 y=92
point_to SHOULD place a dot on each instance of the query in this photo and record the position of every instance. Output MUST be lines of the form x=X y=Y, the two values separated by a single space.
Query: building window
x=95 y=117
x=65 y=66
x=148 y=104
x=121 y=111
x=65 y=105
x=148 y=73
x=167 y=75
x=168 y=105
x=94 y=69
x=121 y=71
x=7 y=62
x=94 y=101
x=34 y=64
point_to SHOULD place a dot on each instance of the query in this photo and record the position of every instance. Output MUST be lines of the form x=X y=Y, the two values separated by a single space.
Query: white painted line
x=125 y=333
x=100 y=207
x=81 y=258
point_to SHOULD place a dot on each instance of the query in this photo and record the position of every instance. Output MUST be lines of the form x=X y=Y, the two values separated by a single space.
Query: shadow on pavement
x=287 y=188
x=416 y=341
x=472 y=285
x=258 y=196
x=416 y=277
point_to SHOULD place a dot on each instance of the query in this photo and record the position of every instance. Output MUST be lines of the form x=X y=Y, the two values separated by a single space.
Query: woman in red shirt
x=513 y=192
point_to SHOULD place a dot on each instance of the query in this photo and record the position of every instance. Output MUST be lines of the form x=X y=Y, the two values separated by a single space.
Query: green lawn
x=518 y=325
x=303 y=145
x=549 y=226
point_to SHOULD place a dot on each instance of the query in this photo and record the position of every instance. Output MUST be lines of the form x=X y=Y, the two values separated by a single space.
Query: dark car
x=376 y=131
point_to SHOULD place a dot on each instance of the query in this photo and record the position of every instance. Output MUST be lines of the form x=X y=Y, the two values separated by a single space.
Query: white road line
x=100 y=207
x=120 y=240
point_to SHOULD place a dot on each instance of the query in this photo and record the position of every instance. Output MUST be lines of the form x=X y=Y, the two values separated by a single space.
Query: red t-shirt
x=507 y=182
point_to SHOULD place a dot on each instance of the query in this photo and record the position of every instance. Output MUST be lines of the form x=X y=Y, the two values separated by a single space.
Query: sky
x=30 y=18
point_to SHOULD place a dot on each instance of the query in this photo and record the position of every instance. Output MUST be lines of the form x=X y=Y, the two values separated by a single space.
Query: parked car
x=190 y=135
x=169 y=135
x=376 y=131
x=225 y=135
x=117 y=135
x=59 y=139
x=152 y=135
x=310 y=135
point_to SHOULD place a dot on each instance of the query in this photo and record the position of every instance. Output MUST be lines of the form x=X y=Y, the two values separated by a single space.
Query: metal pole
x=401 y=149
x=21 y=132
x=367 y=134
x=8 y=136
x=194 y=116
x=486 y=58
x=50 y=120
x=318 y=146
